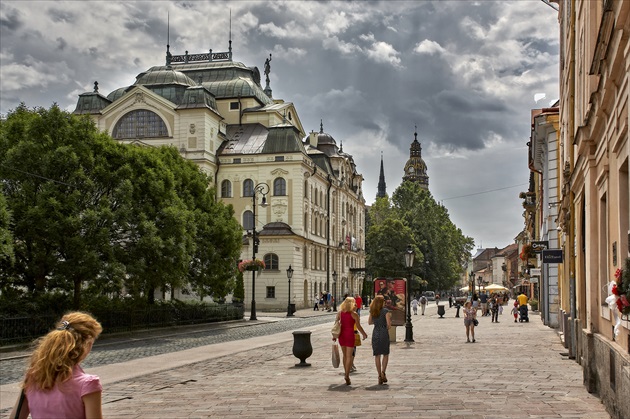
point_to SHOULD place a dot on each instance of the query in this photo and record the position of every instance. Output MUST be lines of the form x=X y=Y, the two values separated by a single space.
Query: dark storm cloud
x=62 y=16
x=9 y=18
x=61 y=43
x=464 y=72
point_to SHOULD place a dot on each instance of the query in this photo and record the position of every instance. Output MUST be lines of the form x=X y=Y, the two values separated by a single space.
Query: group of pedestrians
x=350 y=321
x=496 y=307
x=422 y=302
x=325 y=301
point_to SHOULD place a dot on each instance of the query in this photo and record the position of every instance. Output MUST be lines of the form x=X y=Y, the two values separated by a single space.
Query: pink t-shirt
x=64 y=400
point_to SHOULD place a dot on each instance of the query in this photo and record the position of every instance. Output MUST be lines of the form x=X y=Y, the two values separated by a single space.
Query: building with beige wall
x=593 y=213
x=216 y=113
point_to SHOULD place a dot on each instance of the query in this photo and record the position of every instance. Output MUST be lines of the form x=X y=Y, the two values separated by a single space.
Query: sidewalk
x=515 y=370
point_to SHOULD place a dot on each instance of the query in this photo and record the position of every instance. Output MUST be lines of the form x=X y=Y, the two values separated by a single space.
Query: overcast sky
x=467 y=73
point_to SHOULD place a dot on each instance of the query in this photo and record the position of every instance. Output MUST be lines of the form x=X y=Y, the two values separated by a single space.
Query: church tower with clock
x=416 y=168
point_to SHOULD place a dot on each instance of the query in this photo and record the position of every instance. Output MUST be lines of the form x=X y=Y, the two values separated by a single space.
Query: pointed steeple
x=382 y=188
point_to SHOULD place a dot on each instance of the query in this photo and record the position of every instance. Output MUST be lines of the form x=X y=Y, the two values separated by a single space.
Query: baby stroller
x=523 y=315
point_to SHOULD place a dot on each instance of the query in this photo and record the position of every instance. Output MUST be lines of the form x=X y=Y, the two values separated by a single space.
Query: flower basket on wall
x=619 y=295
x=251 y=265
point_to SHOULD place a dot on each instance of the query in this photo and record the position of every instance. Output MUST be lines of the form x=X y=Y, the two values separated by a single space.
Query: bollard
x=457 y=306
x=302 y=347
x=441 y=311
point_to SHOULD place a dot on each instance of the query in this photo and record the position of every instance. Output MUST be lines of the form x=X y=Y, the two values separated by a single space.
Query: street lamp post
x=289 y=276
x=472 y=283
x=263 y=189
x=334 y=277
x=409 y=255
x=480 y=282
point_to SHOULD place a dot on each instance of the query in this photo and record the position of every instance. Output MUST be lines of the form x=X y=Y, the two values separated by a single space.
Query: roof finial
x=341 y=146
x=415 y=133
x=168 y=39
x=230 y=36
x=95 y=87
x=321 y=126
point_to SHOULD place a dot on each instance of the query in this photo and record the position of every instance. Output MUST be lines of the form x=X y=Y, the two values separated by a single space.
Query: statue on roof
x=267 y=69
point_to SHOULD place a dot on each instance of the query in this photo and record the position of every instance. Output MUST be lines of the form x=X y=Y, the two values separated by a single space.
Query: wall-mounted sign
x=539 y=246
x=552 y=256
x=534 y=272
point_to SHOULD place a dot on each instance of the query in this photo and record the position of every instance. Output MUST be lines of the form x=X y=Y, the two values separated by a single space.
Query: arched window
x=226 y=189
x=271 y=261
x=248 y=187
x=248 y=220
x=140 y=123
x=306 y=189
x=279 y=187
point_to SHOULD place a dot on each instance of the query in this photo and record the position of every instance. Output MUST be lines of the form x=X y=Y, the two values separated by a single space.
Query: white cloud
x=429 y=47
x=384 y=53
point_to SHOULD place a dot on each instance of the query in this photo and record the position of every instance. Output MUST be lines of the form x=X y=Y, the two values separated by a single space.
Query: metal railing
x=22 y=329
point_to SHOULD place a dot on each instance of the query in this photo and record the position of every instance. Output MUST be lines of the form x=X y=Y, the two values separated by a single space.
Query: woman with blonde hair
x=55 y=384
x=348 y=318
x=381 y=318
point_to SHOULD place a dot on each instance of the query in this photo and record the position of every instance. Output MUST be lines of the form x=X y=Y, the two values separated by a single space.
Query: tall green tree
x=52 y=180
x=443 y=246
x=414 y=217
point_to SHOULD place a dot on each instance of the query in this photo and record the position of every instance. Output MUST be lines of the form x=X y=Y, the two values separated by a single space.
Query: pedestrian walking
x=470 y=317
x=495 y=310
x=359 y=301
x=55 y=385
x=423 y=303
x=515 y=311
x=483 y=299
x=316 y=307
x=381 y=318
x=348 y=317
x=414 y=306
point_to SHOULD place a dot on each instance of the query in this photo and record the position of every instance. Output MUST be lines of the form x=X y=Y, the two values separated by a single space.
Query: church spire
x=382 y=188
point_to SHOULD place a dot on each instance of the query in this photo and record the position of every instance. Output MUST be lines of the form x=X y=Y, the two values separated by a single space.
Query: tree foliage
x=89 y=213
x=414 y=218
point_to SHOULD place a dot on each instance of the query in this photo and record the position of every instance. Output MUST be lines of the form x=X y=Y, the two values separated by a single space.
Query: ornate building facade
x=216 y=113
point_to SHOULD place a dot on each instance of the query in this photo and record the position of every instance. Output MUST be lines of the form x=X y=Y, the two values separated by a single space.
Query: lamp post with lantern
x=289 y=276
x=409 y=256
x=263 y=189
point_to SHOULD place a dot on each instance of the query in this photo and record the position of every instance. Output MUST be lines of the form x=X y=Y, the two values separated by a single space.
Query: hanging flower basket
x=527 y=252
x=251 y=265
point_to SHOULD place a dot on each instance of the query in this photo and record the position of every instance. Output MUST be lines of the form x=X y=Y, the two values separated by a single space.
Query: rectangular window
x=279 y=158
x=236 y=161
x=271 y=292
x=234 y=106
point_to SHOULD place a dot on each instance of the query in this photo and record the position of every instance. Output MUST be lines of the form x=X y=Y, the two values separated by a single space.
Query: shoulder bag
x=336 y=329
x=19 y=405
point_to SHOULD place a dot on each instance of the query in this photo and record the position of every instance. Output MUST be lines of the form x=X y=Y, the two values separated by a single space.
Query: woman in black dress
x=381 y=318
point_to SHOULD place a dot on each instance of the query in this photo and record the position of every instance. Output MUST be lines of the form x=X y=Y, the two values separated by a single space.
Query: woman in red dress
x=348 y=318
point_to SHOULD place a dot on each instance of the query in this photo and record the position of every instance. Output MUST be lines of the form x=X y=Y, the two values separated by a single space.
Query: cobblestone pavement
x=514 y=370
x=109 y=350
